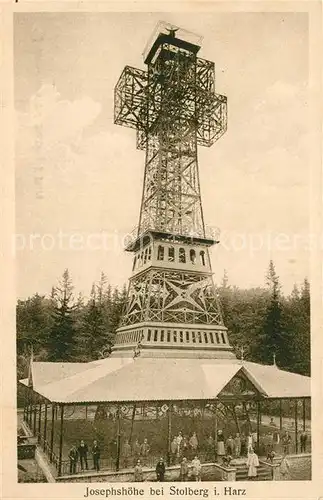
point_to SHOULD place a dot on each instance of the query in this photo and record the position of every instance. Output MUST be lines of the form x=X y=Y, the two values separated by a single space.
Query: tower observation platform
x=172 y=305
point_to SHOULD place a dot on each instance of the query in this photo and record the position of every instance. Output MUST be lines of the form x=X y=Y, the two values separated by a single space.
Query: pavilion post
x=169 y=434
x=28 y=407
x=35 y=416
x=26 y=414
x=132 y=422
x=296 y=425
x=215 y=427
x=25 y=402
x=280 y=415
x=258 y=425
x=52 y=434
x=85 y=412
x=39 y=422
x=45 y=427
x=30 y=420
x=59 y=471
x=304 y=414
x=118 y=439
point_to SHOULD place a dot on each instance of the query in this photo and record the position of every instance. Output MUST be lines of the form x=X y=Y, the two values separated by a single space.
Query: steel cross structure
x=172 y=301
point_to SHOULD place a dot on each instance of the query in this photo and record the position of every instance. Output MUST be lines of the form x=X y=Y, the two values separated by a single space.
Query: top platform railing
x=164 y=28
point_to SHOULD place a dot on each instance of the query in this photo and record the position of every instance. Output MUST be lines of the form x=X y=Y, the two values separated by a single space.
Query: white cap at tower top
x=164 y=27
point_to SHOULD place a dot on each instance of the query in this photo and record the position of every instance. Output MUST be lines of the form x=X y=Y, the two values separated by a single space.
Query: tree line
x=263 y=324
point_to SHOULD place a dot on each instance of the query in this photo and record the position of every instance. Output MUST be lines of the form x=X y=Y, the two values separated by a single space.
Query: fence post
x=215 y=432
x=35 y=416
x=169 y=434
x=52 y=433
x=39 y=422
x=296 y=425
x=45 y=427
x=118 y=439
x=59 y=472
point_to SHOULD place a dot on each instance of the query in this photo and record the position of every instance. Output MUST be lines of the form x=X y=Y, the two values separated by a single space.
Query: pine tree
x=303 y=339
x=275 y=339
x=101 y=288
x=118 y=303
x=61 y=342
x=33 y=324
x=93 y=329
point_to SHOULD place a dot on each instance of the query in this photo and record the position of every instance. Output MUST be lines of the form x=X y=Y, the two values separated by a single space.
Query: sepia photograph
x=163 y=240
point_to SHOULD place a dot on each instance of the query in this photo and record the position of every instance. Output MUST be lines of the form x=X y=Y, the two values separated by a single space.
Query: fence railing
x=208 y=232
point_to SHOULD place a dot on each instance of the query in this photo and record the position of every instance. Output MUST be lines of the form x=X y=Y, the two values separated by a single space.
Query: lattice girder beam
x=157 y=100
x=172 y=296
x=130 y=98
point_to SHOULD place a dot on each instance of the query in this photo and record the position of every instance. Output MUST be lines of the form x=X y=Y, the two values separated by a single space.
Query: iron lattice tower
x=172 y=307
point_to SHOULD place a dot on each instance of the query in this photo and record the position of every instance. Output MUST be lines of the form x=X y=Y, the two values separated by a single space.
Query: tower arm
x=130 y=99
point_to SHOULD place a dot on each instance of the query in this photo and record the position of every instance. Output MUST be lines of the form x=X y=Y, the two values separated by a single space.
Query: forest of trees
x=262 y=321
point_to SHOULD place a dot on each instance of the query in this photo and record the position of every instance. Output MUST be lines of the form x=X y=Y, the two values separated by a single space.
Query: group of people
x=138 y=452
x=80 y=453
x=235 y=446
x=271 y=441
x=183 y=447
x=253 y=463
x=195 y=465
x=187 y=447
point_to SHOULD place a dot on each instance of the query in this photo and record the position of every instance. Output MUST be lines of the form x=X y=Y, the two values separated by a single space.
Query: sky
x=79 y=177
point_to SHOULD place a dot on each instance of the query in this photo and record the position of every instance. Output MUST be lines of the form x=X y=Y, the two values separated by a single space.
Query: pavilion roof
x=279 y=383
x=158 y=379
x=46 y=372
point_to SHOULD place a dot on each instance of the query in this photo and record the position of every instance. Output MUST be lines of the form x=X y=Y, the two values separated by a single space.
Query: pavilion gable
x=242 y=385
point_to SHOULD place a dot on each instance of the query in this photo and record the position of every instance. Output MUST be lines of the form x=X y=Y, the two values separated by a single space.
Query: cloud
x=51 y=122
x=82 y=166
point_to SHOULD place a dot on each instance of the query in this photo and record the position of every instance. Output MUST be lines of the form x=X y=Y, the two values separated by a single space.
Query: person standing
x=96 y=456
x=286 y=440
x=138 y=473
x=229 y=445
x=126 y=452
x=184 y=447
x=136 y=450
x=83 y=451
x=243 y=445
x=145 y=448
x=252 y=464
x=237 y=445
x=255 y=440
x=196 y=469
x=173 y=450
x=184 y=470
x=193 y=443
x=249 y=443
x=270 y=442
x=73 y=456
x=220 y=444
x=284 y=468
x=160 y=470
x=303 y=440
x=179 y=440
x=272 y=422
x=276 y=440
x=210 y=448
